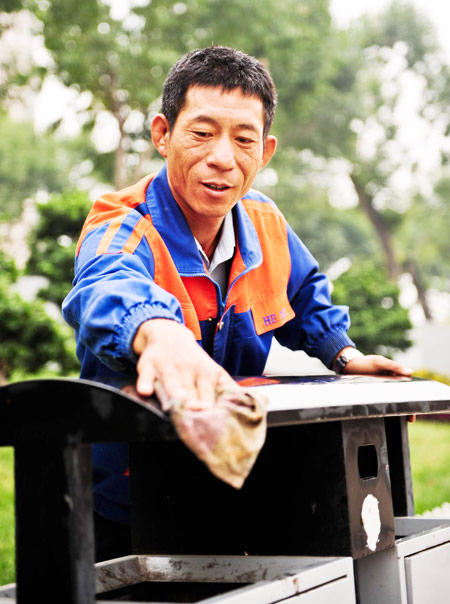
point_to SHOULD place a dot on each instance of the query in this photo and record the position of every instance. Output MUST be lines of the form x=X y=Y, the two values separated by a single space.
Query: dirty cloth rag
x=226 y=436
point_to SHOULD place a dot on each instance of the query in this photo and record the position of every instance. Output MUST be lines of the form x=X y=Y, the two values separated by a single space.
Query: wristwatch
x=345 y=356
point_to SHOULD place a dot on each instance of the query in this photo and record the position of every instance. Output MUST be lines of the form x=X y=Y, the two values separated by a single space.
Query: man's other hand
x=376 y=364
x=379 y=365
x=170 y=357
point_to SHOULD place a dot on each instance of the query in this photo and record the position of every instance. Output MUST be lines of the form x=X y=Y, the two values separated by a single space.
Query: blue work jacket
x=137 y=259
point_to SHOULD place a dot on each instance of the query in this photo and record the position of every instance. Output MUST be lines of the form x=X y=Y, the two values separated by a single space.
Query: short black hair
x=218 y=66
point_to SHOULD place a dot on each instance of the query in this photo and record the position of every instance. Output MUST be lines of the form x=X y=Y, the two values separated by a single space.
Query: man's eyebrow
x=210 y=120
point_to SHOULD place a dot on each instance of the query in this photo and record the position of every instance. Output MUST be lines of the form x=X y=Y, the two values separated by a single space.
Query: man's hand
x=376 y=364
x=168 y=354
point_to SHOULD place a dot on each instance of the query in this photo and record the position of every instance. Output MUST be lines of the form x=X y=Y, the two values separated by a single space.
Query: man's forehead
x=201 y=98
x=220 y=89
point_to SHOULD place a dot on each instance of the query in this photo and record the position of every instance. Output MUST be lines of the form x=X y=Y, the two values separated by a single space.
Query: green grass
x=429 y=444
x=430 y=461
x=7 y=563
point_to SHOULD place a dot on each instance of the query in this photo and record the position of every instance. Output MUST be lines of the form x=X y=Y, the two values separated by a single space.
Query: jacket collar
x=169 y=221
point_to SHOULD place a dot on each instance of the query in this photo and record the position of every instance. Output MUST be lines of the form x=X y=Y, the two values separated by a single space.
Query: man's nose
x=221 y=153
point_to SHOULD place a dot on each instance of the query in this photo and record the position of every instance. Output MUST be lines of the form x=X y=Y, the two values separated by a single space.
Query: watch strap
x=342 y=359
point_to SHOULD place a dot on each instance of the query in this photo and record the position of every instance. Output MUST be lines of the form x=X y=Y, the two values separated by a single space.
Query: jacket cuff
x=328 y=347
x=137 y=315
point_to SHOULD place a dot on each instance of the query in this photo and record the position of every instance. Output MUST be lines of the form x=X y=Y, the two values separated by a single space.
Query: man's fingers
x=173 y=385
x=402 y=370
x=389 y=365
x=145 y=383
x=376 y=364
x=169 y=354
x=205 y=391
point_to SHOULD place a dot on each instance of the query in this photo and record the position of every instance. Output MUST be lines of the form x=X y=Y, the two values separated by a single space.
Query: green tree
x=379 y=322
x=28 y=162
x=336 y=89
x=123 y=60
x=301 y=192
x=29 y=339
x=425 y=235
x=53 y=241
x=8 y=269
x=390 y=80
x=32 y=162
x=9 y=6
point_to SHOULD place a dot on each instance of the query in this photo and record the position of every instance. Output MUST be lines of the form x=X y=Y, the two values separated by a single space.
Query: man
x=185 y=277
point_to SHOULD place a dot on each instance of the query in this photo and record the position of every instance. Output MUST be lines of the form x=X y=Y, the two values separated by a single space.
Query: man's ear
x=160 y=133
x=270 y=145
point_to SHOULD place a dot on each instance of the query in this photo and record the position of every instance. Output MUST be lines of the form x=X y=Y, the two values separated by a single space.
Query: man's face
x=215 y=150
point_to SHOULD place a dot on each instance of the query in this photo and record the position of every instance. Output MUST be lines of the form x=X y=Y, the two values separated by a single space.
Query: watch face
x=340 y=363
x=344 y=358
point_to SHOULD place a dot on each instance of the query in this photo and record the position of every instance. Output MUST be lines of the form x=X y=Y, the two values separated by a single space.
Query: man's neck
x=207 y=233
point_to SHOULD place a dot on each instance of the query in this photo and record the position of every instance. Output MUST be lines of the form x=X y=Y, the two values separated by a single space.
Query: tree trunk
x=119 y=164
x=120 y=110
x=383 y=233
x=385 y=237
x=412 y=268
x=3 y=378
x=139 y=171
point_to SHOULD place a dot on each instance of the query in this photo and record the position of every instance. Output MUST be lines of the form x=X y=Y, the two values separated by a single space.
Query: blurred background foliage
x=369 y=199
x=373 y=298
x=53 y=241
x=29 y=338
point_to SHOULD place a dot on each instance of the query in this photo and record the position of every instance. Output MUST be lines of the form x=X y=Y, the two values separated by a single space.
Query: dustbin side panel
x=428 y=577
x=399 y=465
x=380 y=578
x=368 y=486
x=294 y=501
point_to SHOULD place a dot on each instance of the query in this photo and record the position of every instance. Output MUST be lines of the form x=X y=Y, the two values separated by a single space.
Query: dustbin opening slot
x=367 y=462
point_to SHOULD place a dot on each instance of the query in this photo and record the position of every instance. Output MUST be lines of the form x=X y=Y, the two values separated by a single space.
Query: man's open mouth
x=214 y=187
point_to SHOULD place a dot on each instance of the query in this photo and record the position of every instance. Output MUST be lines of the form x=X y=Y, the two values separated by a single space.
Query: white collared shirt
x=223 y=254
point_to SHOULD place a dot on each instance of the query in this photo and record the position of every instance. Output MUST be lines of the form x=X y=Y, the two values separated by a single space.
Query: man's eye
x=202 y=134
x=245 y=141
